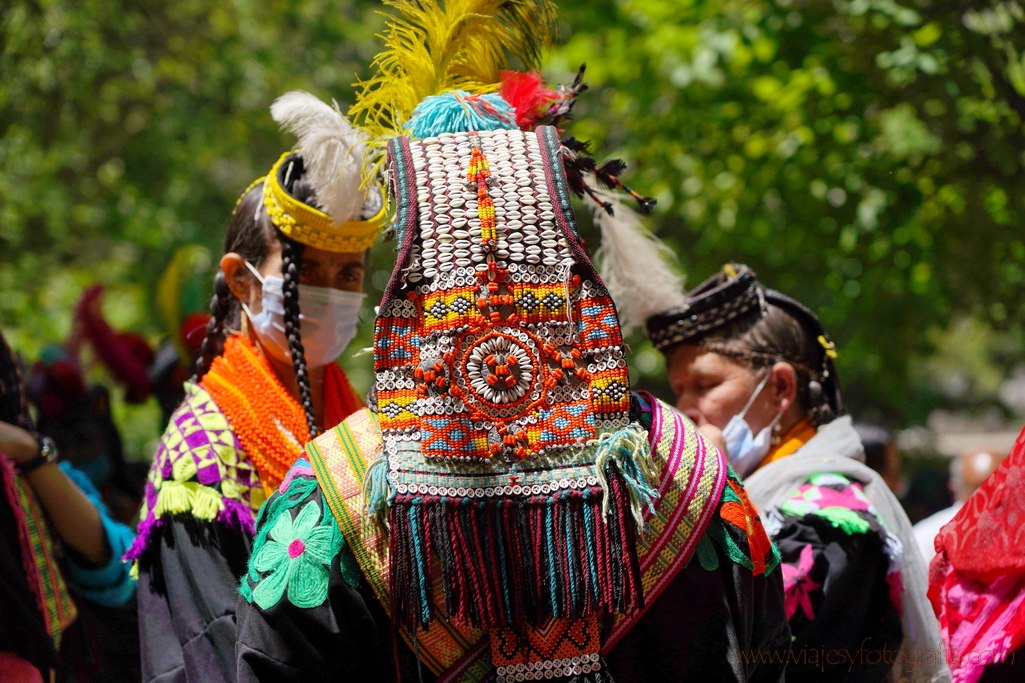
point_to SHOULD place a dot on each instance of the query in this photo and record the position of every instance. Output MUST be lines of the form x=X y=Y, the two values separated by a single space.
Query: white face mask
x=328 y=319
x=744 y=449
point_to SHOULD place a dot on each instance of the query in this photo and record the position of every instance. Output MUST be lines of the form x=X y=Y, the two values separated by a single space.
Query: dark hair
x=13 y=399
x=874 y=440
x=781 y=336
x=250 y=232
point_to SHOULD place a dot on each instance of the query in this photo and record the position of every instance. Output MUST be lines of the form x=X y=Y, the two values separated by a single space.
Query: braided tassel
x=629 y=450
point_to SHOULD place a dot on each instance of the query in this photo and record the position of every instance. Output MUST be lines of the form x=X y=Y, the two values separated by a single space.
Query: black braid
x=213 y=344
x=291 y=260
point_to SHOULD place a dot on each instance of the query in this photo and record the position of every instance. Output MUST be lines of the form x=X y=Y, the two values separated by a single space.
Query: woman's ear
x=783 y=385
x=236 y=275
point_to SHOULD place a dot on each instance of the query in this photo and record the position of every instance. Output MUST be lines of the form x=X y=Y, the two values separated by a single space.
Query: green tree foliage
x=131 y=127
x=865 y=156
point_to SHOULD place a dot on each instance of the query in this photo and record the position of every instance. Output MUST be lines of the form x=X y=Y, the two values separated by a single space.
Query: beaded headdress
x=330 y=154
x=733 y=294
x=501 y=389
x=734 y=298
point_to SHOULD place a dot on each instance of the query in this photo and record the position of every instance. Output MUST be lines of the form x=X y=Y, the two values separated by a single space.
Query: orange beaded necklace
x=269 y=422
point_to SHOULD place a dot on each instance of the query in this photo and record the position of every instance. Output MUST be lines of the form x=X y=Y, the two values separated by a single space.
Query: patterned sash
x=691 y=481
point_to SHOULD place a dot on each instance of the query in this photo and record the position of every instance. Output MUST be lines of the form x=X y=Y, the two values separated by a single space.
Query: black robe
x=717 y=620
x=187 y=593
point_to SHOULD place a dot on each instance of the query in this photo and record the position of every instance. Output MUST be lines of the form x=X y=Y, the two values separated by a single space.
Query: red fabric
x=987 y=536
x=192 y=331
x=14 y=669
x=977 y=578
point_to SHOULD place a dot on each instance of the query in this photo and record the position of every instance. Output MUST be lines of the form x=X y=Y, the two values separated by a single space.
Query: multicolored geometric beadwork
x=492 y=315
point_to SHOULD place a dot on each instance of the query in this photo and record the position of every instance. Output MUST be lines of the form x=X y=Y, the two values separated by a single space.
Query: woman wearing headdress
x=56 y=534
x=505 y=508
x=286 y=303
x=758 y=365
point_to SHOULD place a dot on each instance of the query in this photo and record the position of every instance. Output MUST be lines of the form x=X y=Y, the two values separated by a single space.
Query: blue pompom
x=459 y=112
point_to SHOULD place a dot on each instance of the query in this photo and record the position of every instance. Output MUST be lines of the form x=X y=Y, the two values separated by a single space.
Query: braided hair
x=250 y=231
x=291 y=259
x=249 y=234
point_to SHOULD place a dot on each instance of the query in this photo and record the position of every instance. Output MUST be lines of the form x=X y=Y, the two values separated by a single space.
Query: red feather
x=527 y=94
x=125 y=355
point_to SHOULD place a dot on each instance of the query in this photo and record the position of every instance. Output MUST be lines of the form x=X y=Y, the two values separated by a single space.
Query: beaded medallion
x=496 y=340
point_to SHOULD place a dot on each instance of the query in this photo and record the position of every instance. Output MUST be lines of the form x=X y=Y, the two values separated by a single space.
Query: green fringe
x=629 y=451
x=175 y=498
x=377 y=491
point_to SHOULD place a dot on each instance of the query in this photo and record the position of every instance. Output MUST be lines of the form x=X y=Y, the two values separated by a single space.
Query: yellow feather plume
x=434 y=47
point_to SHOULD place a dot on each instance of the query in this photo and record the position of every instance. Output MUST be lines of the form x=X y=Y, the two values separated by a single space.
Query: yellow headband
x=313 y=227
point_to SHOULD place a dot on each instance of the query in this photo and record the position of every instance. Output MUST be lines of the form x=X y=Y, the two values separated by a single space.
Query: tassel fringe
x=504 y=562
x=459 y=111
x=377 y=491
x=627 y=451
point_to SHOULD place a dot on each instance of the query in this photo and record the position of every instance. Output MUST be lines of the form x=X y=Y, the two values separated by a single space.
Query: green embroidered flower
x=296 y=558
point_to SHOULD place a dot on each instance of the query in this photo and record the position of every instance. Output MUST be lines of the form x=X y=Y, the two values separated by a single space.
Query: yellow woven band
x=313 y=227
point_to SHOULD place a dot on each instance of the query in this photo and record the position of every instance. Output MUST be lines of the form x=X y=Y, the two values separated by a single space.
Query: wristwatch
x=47 y=453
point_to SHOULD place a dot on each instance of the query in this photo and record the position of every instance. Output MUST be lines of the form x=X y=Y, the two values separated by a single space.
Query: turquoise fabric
x=112 y=584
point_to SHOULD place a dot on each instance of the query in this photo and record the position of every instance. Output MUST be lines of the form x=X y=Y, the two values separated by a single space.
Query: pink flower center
x=296 y=548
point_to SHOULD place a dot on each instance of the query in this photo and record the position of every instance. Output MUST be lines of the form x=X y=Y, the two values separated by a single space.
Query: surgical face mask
x=328 y=319
x=744 y=449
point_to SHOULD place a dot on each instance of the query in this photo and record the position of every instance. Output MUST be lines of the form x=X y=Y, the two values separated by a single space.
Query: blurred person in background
x=182 y=298
x=967 y=472
x=881 y=454
x=286 y=303
x=57 y=533
x=759 y=366
x=927 y=492
x=77 y=414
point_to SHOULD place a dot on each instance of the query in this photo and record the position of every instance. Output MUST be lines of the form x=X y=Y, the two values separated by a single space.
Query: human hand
x=16 y=443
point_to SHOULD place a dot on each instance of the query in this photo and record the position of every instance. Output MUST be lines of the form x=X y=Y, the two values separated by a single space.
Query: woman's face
x=711 y=389
x=319 y=268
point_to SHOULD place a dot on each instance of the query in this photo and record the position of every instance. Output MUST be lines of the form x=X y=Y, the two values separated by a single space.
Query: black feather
x=612 y=167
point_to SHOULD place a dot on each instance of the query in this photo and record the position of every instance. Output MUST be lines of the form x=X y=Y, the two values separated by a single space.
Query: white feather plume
x=332 y=150
x=639 y=270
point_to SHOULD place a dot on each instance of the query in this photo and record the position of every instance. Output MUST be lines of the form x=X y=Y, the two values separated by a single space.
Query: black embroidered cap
x=730 y=295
